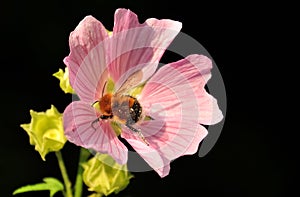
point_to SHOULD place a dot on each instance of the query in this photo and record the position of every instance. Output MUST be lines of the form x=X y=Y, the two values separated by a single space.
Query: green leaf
x=51 y=184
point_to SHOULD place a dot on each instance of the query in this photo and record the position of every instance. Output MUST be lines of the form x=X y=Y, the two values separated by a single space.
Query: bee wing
x=132 y=81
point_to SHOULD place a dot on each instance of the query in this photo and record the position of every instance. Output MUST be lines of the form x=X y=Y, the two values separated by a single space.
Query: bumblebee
x=122 y=108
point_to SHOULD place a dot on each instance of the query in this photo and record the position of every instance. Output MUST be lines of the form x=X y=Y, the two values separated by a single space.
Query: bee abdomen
x=135 y=112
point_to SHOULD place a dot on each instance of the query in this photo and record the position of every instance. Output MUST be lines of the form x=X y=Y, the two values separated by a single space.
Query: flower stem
x=83 y=156
x=64 y=174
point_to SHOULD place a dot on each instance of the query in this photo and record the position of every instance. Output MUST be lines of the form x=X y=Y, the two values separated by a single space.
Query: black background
x=255 y=154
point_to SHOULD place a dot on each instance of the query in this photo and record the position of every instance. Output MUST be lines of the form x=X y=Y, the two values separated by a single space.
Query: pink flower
x=173 y=99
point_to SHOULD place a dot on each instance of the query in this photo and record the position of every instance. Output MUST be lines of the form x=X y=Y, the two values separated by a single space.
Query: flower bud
x=64 y=80
x=46 y=131
x=104 y=176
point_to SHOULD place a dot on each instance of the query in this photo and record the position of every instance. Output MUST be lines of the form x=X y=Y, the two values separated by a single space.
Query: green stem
x=64 y=174
x=83 y=156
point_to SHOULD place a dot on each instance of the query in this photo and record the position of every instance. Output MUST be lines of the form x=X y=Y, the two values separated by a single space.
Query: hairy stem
x=84 y=154
x=64 y=174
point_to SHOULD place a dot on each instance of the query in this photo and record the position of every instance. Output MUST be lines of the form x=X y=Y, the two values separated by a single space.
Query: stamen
x=92 y=105
x=148 y=118
x=104 y=86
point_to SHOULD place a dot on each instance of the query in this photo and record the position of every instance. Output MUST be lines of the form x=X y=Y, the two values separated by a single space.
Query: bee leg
x=139 y=133
x=102 y=117
x=143 y=138
x=93 y=122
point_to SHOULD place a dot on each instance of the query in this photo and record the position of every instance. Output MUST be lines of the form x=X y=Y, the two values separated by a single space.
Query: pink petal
x=197 y=69
x=210 y=112
x=125 y=19
x=154 y=154
x=138 y=46
x=87 y=35
x=171 y=97
x=199 y=136
x=155 y=160
x=78 y=118
x=92 y=75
